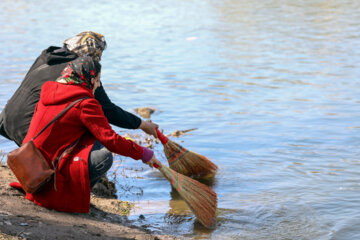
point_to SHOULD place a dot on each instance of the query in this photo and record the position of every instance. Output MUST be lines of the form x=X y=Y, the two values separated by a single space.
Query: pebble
x=7 y=222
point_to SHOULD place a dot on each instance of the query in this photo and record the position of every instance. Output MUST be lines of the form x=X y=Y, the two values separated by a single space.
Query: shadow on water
x=210 y=181
x=178 y=218
x=172 y=216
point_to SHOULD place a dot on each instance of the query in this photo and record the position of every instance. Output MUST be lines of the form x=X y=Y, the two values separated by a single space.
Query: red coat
x=85 y=119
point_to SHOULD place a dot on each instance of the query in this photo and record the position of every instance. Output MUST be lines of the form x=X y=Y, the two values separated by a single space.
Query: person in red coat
x=78 y=170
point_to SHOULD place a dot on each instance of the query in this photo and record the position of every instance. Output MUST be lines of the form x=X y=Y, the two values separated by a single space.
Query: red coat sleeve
x=92 y=116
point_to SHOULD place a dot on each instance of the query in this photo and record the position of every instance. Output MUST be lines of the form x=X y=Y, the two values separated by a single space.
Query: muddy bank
x=21 y=219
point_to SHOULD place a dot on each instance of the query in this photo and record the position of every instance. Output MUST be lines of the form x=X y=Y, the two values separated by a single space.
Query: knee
x=100 y=161
x=108 y=160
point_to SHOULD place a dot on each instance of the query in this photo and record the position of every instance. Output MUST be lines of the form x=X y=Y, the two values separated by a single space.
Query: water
x=272 y=87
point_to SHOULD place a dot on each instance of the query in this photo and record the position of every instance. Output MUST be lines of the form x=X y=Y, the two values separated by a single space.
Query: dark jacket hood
x=55 y=93
x=56 y=55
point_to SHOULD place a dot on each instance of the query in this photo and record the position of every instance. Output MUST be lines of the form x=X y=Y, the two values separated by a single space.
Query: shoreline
x=22 y=219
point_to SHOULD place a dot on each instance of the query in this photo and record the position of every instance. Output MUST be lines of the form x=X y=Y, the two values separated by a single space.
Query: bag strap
x=56 y=161
x=59 y=115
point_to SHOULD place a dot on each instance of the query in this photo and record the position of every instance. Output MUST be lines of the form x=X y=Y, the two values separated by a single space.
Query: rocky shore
x=22 y=219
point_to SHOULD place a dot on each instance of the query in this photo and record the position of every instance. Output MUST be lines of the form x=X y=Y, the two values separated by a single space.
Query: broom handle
x=157 y=166
x=161 y=136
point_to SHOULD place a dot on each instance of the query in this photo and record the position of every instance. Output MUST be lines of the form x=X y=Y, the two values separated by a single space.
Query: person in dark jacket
x=16 y=116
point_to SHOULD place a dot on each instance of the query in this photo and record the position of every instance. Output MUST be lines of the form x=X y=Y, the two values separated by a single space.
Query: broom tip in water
x=201 y=199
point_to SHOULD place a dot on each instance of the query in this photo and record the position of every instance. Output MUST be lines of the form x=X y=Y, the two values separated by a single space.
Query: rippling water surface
x=271 y=86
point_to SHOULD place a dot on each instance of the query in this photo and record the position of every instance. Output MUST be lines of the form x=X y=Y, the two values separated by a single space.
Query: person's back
x=19 y=110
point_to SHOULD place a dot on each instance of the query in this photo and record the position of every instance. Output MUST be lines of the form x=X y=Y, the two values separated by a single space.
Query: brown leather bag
x=30 y=167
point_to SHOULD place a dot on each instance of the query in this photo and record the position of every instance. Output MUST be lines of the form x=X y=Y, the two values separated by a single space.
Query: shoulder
x=90 y=102
x=90 y=108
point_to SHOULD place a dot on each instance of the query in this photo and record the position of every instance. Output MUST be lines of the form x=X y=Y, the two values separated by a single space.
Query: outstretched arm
x=93 y=118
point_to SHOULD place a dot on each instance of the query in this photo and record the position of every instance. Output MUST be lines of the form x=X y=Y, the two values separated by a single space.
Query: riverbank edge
x=22 y=219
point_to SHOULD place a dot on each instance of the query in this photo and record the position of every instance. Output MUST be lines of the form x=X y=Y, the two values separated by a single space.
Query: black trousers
x=100 y=161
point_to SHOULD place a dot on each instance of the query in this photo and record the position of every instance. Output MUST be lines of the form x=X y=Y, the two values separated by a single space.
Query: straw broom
x=201 y=199
x=186 y=162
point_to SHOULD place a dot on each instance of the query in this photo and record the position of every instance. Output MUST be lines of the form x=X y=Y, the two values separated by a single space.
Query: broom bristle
x=188 y=162
x=201 y=199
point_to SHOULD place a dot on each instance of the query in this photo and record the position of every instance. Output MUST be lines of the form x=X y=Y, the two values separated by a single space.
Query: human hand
x=153 y=161
x=149 y=127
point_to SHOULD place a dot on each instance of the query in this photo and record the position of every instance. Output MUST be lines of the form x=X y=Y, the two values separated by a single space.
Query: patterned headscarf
x=87 y=43
x=80 y=72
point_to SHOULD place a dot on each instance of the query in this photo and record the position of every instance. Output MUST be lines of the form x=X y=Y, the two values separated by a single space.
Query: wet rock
x=114 y=206
x=145 y=112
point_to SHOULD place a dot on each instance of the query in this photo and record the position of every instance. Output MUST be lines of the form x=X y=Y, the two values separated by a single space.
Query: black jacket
x=18 y=112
